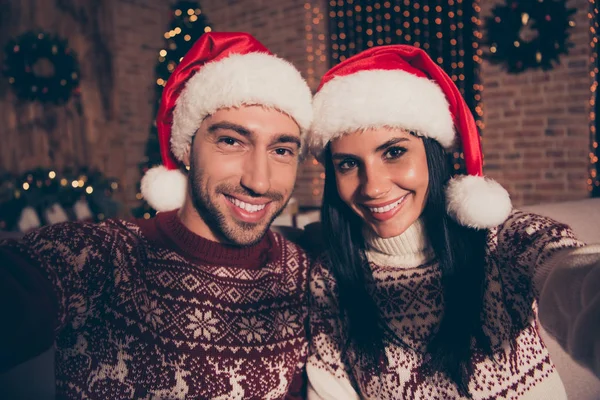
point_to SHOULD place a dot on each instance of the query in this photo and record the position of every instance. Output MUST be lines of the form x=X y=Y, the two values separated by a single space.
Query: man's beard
x=237 y=232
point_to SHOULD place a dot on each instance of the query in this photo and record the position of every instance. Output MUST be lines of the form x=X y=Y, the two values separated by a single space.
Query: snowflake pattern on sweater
x=137 y=320
x=411 y=302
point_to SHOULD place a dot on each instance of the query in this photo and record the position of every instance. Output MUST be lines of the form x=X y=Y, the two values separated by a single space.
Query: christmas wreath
x=40 y=66
x=528 y=34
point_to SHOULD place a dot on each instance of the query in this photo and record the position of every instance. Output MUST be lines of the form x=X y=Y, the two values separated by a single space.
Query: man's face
x=243 y=164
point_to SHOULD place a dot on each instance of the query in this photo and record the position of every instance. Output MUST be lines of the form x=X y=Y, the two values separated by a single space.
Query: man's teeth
x=386 y=208
x=246 y=206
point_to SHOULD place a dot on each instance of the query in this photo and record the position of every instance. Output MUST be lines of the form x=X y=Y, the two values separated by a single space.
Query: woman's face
x=382 y=175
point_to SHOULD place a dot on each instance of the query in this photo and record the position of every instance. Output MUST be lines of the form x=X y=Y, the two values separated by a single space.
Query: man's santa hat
x=399 y=86
x=221 y=70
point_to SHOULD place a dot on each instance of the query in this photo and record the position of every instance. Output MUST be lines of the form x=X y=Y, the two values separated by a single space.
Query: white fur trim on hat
x=477 y=202
x=239 y=79
x=376 y=98
x=164 y=189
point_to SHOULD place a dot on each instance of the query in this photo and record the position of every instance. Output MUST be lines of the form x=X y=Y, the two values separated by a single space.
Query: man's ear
x=186 y=156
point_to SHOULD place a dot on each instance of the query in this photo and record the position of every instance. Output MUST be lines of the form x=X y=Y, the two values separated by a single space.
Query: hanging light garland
x=40 y=188
x=316 y=57
x=593 y=182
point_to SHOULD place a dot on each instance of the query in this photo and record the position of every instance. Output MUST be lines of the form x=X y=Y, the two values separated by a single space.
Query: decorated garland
x=40 y=66
x=44 y=196
x=528 y=34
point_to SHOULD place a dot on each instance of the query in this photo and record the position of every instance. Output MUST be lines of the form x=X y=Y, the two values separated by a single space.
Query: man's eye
x=228 y=141
x=284 y=152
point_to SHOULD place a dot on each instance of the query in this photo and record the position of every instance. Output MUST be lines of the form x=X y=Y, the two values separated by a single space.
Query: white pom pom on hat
x=401 y=86
x=477 y=202
x=165 y=188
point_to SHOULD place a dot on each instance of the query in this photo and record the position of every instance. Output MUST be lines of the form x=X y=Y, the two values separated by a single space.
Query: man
x=202 y=301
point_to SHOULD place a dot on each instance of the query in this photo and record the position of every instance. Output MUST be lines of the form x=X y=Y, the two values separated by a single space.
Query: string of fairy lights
x=192 y=16
x=78 y=181
x=477 y=87
x=316 y=57
x=593 y=182
x=42 y=189
x=315 y=44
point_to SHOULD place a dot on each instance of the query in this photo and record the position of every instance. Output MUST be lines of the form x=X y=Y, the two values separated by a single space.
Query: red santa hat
x=221 y=70
x=400 y=86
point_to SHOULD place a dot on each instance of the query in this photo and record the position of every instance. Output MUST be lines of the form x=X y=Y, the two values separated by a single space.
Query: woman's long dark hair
x=460 y=252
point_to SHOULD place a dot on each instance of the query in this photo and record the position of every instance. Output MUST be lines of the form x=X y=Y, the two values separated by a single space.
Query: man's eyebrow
x=243 y=131
x=286 y=138
x=230 y=126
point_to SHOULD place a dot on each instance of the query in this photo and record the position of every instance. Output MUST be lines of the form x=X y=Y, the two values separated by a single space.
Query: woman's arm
x=544 y=261
x=329 y=376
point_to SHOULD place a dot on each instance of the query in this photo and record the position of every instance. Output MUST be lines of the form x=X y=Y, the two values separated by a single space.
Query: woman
x=428 y=285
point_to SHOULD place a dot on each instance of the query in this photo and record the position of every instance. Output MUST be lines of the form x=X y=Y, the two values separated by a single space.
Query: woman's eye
x=394 y=152
x=346 y=165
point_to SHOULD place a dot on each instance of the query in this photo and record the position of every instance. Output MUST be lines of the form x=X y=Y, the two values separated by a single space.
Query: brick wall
x=536 y=137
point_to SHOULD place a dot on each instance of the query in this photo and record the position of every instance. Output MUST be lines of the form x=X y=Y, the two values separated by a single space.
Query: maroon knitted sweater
x=148 y=310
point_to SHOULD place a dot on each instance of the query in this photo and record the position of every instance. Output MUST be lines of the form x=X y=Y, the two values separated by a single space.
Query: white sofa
x=35 y=378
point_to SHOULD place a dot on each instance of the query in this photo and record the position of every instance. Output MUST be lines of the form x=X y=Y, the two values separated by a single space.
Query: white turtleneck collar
x=410 y=249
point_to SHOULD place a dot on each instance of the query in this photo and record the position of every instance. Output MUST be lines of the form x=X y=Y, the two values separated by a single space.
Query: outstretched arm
x=562 y=274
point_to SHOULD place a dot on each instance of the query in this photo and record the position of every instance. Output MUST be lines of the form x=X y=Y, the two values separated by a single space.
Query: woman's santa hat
x=221 y=70
x=400 y=86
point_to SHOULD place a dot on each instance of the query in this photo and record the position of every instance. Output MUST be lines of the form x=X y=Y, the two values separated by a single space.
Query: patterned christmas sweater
x=524 y=256
x=149 y=310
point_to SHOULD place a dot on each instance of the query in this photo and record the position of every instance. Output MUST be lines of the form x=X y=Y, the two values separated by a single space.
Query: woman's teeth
x=386 y=208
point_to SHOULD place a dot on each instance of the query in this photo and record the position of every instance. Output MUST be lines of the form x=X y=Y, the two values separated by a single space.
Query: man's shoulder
x=287 y=233
x=288 y=238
